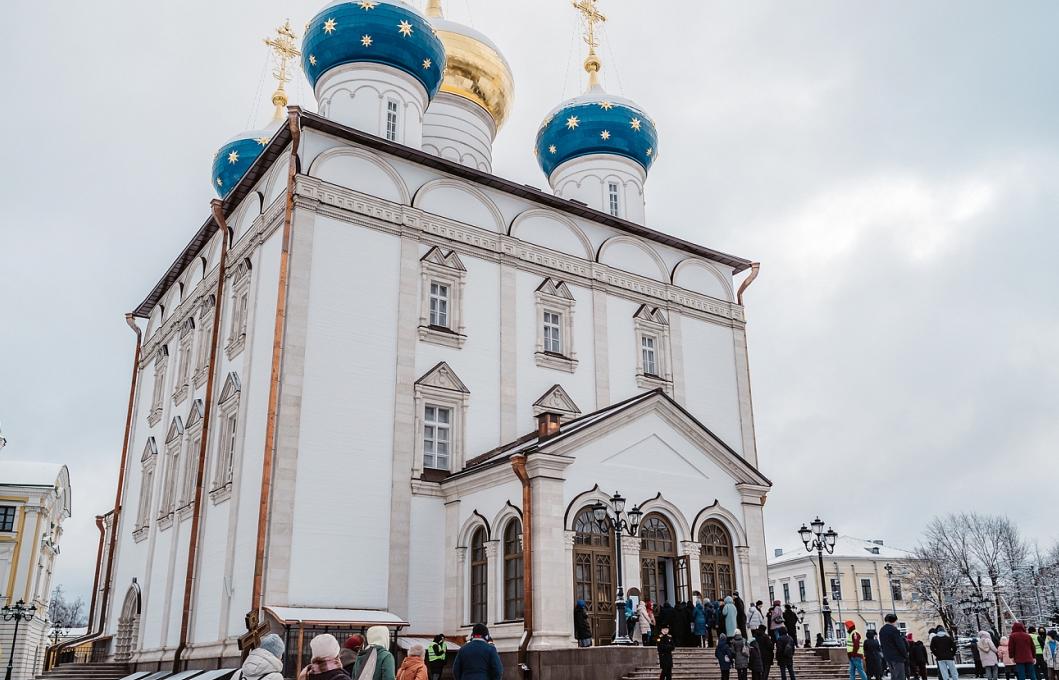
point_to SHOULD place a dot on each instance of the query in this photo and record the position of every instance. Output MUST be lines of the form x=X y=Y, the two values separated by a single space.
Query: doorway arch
x=717 y=560
x=594 y=574
x=128 y=625
x=659 y=570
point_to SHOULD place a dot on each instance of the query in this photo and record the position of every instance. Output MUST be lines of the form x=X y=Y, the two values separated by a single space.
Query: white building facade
x=342 y=382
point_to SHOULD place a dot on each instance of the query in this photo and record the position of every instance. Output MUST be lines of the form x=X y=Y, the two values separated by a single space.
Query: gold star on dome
x=329 y=26
x=635 y=123
x=219 y=182
x=233 y=157
x=312 y=59
x=365 y=40
x=650 y=152
x=263 y=141
x=605 y=105
x=404 y=28
x=552 y=149
x=427 y=63
x=572 y=122
x=367 y=4
x=605 y=135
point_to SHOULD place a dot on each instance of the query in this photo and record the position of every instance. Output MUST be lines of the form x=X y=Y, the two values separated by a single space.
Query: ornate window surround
x=161 y=362
x=148 y=461
x=557 y=401
x=446 y=269
x=205 y=333
x=228 y=441
x=170 y=474
x=652 y=322
x=554 y=296
x=240 y=309
x=193 y=435
x=184 y=359
x=440 y=386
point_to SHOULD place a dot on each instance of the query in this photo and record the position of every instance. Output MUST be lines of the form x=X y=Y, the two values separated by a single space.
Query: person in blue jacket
x=724 y=655
x=698 y=622
x=478 y=660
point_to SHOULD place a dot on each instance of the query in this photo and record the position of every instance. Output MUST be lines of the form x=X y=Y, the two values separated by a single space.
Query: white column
x=455 y=560
x=552 y=570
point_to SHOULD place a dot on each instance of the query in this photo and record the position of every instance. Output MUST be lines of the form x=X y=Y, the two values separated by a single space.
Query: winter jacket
x=766 y=647
x=729 y=617
x=776 y=618
x=665 y=646
x=477 y=660
x=412 y=668
x=740 y=612
x=582 y=631
x=754 y=619
x=711 y=613
x=944 y=647
x=1020 y=645
x=698 y=619
x=1002 y=652
x=740 y=652
x=646 y=621
x=785 y=648
x=893 y=643
x=664 y=615
x=757 y=664
x=855 y=645
x=790 y=622
x=873 y=659
x=987 y=651
x=1051 y=653
x=260 y=665
x=918 y=653
x=337 y=673
x=724 y=654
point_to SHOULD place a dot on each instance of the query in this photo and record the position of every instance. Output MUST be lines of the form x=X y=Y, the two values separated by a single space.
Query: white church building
x=382 y=384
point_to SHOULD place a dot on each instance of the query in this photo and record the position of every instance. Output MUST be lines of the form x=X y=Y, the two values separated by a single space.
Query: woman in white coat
x=645 y=622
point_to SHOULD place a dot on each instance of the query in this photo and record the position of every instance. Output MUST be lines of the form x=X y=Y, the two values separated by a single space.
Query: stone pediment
x=443 y=377
x=231 y=388
x=195 y=414
x=652 y=314
x=556 y=400
x=556 y=288
x=176 y=428
x=149 y=450
x=451 y=260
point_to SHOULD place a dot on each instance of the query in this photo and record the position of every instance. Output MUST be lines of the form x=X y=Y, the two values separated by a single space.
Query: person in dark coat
x=917 y=658
x=894 y=648
x=665 y=646
x=767 y=648
x=711 y=620
x=819 y=640
x=740 y=655
x=664 y=617
x=785 y=648
x=582 y=629
x=680 y=627
x=478 y=660
x=757 y=666
x=1023 y=652
x=724 y=656
x=740 y=613
x=698 y=623
x=873 y=659
x=976 y=656
x=790 y=621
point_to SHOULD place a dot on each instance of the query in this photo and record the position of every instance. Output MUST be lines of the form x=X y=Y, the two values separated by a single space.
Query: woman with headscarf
x=698 y=622
x=375 y=662
x=989 y=655
x=325 y=664
x=582 y=629
x=729 y=617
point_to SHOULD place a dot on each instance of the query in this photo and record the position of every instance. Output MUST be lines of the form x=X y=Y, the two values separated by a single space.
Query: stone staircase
x=87 y=671
x=701 y=664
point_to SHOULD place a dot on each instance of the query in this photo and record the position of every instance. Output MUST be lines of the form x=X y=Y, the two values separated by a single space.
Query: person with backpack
x=724 y=656
x=757 y=664
x=776 y=620
x=437 y=655
x=265 y=662
x=740 y=655
x=666 y=645
x=785 y=648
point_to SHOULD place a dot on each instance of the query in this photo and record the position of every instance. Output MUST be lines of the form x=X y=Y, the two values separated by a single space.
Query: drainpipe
x=196 y=517
x=518 y=464
x=755 y=267
x=101 y=525
x=264 y=505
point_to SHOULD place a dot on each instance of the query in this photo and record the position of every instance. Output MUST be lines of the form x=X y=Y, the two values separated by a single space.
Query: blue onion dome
x=596 y=123
x=237 y=155
x=386 y=32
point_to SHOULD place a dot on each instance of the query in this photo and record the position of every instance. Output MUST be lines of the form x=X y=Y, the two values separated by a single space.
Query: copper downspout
x=196 y=517
x=518 y=464
x=755 y=267
x=101 y=524
x=257 y=589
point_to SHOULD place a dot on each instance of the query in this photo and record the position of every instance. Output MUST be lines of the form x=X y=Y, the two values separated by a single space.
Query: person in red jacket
x=1023 y=652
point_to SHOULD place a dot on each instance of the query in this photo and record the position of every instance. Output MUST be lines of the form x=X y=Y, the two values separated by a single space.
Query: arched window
x=479 y=577
x=656 y=536
x=513 y=582
x=658 y=555
x=717 y=560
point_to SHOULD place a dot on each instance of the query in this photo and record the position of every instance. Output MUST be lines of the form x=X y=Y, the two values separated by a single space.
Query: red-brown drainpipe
x=257 y=589
x=518 y=464
x=755 y=267
x=196 y=517
x=102 y=526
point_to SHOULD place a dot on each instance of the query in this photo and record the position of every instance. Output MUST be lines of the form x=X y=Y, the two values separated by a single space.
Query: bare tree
x=66 y=613
x=935 y=579
x=1015 y=560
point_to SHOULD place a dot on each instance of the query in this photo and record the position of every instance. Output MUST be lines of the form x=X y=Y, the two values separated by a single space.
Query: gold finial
x=434 y=9
x=283 y=48
x=591 y=16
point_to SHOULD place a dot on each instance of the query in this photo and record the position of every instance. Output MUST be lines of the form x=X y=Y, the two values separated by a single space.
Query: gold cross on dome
x=284 y=49
x=591 y=16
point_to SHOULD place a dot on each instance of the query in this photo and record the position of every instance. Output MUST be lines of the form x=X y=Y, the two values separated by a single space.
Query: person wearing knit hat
x=855 y=652
x=350 y=648
x=325 y=664
x=265 y=662
x=375 y=662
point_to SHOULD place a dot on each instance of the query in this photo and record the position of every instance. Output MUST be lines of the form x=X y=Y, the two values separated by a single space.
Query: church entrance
x=717 y=560
x=128 y=625
x=661 y=576
x=594 y=578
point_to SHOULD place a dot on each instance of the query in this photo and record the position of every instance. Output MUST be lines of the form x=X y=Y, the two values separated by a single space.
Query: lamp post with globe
x=615 y=522
x=819 y=540
x=18 y=613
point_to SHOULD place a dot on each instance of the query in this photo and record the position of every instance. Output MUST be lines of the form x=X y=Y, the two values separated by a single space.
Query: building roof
x=352 y=617
x=313 y=121
x=845 y=547
x=29 y=473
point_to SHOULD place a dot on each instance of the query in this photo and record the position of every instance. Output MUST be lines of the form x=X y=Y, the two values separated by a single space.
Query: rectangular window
x=870 y=626
x=865 y=589
x=159 y=384
x=439 y=305
x=648 y=345
x=191 y=471
x=801 y=591
x=786 y=592
x=615 y=202
x=391 y=120
x=553 y=338
x=7 y=518
x=903 y=627
x=772 y=592
x=229 y=453
x=840 y=631
x=836 y=590
x=437 y=436
x=895 y=590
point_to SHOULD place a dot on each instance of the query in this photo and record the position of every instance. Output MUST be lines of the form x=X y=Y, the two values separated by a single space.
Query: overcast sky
x=893 y=166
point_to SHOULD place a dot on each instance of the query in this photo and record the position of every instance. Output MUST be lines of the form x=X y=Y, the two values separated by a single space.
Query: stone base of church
x=593 y=663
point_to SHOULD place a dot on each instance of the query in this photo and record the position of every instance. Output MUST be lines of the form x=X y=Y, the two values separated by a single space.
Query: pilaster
x=746 y=402
x=492 y=598
x=676 y=348
x=756 y=569
x=509 y=429
x=693 y=551
x=630 y=561
x=602 y=356
x=553 y=622
x=455 y=559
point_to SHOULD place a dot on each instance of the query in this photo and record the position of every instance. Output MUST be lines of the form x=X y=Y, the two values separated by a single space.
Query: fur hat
x=273 y=644
x=325 y=646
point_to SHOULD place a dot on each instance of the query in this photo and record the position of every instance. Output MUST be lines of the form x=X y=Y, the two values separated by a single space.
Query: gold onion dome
x=474 y=67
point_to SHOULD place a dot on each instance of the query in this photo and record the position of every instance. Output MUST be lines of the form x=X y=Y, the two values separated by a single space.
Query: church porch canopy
x=301 y=624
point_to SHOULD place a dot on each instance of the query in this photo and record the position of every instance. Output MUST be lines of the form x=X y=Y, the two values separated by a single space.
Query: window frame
x=651 y=324
x=438 y=427
x=170 y=474
x=241 y=309
x=161 y=363
x=478 y=577
x=440 y=387
x=189 y=474
x=392 y=120
x=896 y=593
x=512 y=564
x=614 y=198
x=185 y=357
x=439 y=268
x=8 y=513
x=205 y=333
x=148 y=462
x=229 y=441
x=836 y=589
x=786 y=585
x=553 y=297
x=866 y=591
x=801 y=590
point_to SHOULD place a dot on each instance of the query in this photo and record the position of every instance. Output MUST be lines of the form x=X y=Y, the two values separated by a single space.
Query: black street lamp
x=56 y=633
x=619 y=525
x=18 y=613
x=890 y=582
x=819 y=540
